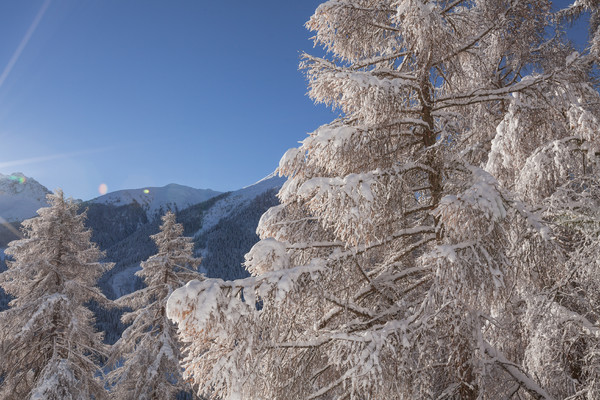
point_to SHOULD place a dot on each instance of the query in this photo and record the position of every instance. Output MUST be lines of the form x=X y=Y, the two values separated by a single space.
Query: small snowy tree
x=149 y=350
x=433 y=242
x=48 y=345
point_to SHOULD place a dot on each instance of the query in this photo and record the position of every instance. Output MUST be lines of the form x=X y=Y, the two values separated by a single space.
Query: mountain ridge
x=223 y=229
x=20 y=197
x=156 y=200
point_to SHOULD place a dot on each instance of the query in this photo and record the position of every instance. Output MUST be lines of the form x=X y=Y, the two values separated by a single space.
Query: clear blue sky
x=135 y=93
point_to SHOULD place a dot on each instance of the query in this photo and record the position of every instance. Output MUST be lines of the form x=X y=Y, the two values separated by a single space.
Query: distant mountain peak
x=20 y=196
x=17 y=182
x=156 y=199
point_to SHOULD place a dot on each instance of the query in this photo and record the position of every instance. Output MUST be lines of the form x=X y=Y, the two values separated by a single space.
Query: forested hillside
x=438 y=239
x=123 y=233
x=224 y=245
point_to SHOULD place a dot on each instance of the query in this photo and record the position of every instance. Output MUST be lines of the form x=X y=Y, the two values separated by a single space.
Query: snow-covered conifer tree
x=440 y=239
x=149 y=349
x=48 y=346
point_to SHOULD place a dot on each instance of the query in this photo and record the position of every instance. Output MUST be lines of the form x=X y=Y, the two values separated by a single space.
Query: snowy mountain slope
x=223 y=246
x=240 y=209
x=20 y=197
x=155 y=199
x=226 y=224
x=238 y=200
x=223 y=227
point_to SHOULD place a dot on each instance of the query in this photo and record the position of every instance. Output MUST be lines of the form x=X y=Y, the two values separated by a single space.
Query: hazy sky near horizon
x=138 y=93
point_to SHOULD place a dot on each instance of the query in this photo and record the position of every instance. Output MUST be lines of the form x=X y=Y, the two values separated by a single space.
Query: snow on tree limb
x=435 y=223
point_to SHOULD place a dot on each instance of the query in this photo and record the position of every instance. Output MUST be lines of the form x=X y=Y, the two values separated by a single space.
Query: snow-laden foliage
x=574 y=11
x=440 y=239
x=147 y=355
x=48 y=346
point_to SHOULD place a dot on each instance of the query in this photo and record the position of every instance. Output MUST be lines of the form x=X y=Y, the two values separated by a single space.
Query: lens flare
x=146 y=191
x=102 y=189
x=20 y=179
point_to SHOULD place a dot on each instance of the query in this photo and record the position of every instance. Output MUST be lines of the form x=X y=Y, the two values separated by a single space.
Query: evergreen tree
x=48 y=346
x=440 y=239
x=149 y=350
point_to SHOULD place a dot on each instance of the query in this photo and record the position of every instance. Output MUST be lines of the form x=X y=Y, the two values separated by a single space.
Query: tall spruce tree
x=440 y=239
x=48 y=346
x=149 y=348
